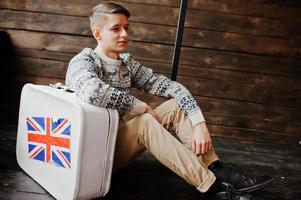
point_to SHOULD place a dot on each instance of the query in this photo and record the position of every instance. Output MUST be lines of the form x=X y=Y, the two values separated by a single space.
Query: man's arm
x=83 y=78
x=145 y=80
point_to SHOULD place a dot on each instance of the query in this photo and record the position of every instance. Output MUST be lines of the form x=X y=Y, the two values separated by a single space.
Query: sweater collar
x=105 y=58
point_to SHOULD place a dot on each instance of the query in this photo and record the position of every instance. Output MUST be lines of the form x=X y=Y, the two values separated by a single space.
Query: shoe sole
x=256 y=187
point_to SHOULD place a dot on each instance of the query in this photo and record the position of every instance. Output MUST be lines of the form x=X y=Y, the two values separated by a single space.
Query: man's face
x=114 y=33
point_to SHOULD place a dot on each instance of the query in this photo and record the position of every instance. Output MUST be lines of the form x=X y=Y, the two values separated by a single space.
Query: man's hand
x=149 y=110
x=201 y=140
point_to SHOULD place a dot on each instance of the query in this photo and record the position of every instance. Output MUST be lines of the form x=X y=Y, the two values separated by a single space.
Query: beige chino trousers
x=145 y=132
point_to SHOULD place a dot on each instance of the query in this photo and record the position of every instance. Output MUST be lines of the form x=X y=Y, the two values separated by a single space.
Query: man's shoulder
x=86 y=55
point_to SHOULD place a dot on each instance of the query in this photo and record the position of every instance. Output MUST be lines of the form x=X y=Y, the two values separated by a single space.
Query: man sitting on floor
x=104 y=77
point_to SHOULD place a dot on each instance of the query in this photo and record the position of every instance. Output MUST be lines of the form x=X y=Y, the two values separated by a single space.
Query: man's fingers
x=209 y=146
x=198 y=149
x=203 y=148
x=193 y=146
x=155 y=115
x=206 y=147
x=159 y=119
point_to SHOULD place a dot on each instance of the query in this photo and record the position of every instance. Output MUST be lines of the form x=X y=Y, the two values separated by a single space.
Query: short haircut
x=105 y=8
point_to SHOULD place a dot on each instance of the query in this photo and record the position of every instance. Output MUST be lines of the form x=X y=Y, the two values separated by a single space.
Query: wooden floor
x=146 y=178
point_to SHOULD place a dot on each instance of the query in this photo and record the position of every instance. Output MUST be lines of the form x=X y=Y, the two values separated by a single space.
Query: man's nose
x=124 y=33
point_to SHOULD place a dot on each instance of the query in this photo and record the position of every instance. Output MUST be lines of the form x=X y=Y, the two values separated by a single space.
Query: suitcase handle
x=60 y=86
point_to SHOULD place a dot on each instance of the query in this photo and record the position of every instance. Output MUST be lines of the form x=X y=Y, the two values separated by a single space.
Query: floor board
x=147 y=179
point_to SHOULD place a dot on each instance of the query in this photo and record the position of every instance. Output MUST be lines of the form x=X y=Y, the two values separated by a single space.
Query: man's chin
x=123 y=49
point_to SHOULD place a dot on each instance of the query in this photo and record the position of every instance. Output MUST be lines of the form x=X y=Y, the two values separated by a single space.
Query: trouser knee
x=148 y=127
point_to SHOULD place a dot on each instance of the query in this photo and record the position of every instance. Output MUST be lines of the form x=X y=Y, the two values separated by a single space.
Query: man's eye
x=115 y=29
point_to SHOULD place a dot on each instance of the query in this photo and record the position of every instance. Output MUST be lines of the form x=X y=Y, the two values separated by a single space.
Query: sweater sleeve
x=83 y=77
x=144 y=79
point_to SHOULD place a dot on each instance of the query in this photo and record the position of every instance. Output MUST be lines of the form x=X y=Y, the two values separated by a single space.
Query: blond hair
x=105 y=8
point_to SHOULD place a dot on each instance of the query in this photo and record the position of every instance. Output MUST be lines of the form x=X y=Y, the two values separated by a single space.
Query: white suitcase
x=64 y=144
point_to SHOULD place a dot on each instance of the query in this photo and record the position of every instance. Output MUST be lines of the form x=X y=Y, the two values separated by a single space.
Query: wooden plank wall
x=240 y=59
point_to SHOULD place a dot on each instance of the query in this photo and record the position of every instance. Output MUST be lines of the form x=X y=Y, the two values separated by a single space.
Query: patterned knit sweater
x=105 y=82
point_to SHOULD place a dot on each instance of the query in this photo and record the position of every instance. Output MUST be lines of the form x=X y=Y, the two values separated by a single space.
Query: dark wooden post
x=178 y=41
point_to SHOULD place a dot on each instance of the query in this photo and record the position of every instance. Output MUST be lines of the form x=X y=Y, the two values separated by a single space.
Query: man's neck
x=99 y=51
x=110 y=54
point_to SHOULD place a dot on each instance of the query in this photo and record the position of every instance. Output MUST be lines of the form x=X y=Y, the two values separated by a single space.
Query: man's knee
x=148 y=124
x=172 y=102
x=147 y=118
x=167 y=106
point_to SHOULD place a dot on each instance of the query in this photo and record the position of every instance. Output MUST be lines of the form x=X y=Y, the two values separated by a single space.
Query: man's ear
x=96 y=33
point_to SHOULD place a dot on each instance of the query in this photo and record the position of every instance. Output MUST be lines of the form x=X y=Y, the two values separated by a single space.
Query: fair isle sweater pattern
x=106 y=85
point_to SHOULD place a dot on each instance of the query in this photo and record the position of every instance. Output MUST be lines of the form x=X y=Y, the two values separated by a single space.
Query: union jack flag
x=49 y=140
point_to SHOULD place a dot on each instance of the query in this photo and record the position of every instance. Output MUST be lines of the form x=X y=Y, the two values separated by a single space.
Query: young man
x=104 y=76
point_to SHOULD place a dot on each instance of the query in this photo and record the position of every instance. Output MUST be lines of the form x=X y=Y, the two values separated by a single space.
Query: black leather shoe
x=231 y=193
x=240 y=181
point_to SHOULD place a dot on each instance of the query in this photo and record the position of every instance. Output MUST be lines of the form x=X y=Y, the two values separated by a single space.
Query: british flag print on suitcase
x=64 y=144
x=49 y=140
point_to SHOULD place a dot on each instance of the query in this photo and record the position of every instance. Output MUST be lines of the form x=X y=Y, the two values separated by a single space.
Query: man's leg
x=175 y=120
x=143 y=132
